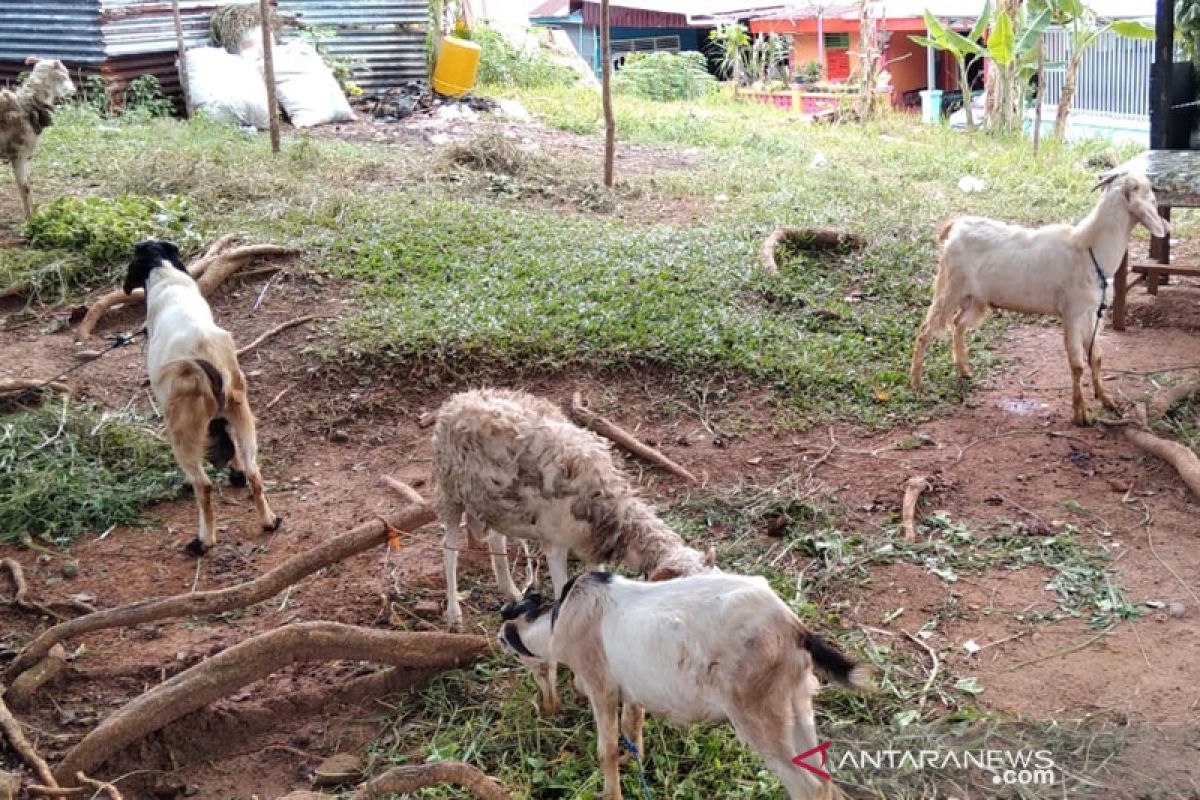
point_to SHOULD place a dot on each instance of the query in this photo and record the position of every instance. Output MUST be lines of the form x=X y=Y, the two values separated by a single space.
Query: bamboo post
x=264 y=12
x=183 y=73
x=610 y=124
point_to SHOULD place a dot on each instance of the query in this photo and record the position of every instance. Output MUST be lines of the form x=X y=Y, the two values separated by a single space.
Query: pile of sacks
x=231 y=87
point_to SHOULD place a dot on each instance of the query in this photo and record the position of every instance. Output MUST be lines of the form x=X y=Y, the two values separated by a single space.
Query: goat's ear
x=171 y=253
x=664 y=574
x=1106 y=179
x=710 y=557
x=32 y=60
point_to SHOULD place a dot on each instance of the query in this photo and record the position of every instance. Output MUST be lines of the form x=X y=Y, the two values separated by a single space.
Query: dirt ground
x=1010 y=451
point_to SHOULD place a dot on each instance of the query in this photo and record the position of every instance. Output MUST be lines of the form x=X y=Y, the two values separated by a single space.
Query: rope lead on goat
x=632 y=748
x=1103 y=305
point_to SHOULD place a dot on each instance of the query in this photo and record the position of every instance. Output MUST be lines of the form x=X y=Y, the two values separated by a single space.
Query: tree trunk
x=1066 y=98
x=964 y=84
x=1041 y=93
x=610 y=123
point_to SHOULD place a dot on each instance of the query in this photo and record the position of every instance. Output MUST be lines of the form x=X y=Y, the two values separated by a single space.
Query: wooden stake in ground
x=624 y=439
x=254 y=659
x=183 y=73
x=364 y=537
x=908 y=511
x=806 y=239
x=414 y=777
x=610 y=121
x=210 y=270
x=268 y=33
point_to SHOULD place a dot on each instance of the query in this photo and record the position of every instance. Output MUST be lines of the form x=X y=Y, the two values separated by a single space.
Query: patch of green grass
x=67 y=468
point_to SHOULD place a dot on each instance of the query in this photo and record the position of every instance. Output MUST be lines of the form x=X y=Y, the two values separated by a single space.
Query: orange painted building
x=833 y=42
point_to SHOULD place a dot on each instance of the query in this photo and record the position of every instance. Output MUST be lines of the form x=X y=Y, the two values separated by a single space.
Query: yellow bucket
x=457 y=67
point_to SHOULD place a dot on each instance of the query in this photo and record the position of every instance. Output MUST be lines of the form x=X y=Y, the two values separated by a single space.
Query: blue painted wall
x=586 y=39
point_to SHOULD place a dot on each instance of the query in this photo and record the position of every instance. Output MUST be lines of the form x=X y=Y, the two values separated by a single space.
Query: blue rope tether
x=632 y=748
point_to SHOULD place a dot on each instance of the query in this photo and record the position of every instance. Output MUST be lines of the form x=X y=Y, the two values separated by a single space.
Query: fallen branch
x=414 y=777
x=24 y=384
x=278 y=329
x=209 y=271
x=367 y=535
x=33 y=679
x=254 y=659
x=908 y=511
x=1182 y=458
x=22 y=747
x=933 y=671
x=624 y=439
x=100 y=786
x=807 y=239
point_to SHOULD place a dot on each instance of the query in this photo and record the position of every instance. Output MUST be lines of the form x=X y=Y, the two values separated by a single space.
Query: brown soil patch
x=1008 y=453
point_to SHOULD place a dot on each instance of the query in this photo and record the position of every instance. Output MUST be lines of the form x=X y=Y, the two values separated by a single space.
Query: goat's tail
x=834 y=665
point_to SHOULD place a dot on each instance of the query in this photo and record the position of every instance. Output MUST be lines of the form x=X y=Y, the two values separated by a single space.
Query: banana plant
x=959 y=47
x=1083 y=29
x=1012 y=45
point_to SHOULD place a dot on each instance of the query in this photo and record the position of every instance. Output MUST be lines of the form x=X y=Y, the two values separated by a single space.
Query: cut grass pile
x=67 y=468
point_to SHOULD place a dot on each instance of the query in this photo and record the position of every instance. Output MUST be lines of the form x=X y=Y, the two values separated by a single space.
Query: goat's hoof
x=195 y=548
x=237 y=478
x=273 y=526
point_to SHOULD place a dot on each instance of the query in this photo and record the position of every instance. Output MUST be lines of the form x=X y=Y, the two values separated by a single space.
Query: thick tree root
x=21 y=600
x=29 y=682
x=908 y=511
x=100 y=787
x=256 y=658
x=210 y=270
x=24 y=384
x=21 y=746
x=414 y=777
x=807 y=239
x=1182 y=458
x=624 y=439
x=364 y=537
x=1168 y=399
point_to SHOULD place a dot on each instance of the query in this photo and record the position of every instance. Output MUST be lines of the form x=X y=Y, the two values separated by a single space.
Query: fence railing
x=1113 y=79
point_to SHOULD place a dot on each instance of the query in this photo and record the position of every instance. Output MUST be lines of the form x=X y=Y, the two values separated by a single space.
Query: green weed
x=67 y=468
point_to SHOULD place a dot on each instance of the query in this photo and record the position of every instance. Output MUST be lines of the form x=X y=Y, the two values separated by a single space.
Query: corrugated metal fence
x=1112 y=77
x=122 y=39
x=384 y=39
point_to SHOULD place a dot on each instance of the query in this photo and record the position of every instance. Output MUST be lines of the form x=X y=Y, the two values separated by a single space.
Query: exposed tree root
x=256 y=658
x=209 y=271
x=21 y=600
x=807 y=239
x=1182 y=458
x=15 y=290
x=908 y=512
x=414 y=777
x=624 y=439
x=29 y=682
x=278 y=329
x=22 y=747
x=24 y=384
x=1164 y=401
x=101 y=787
x=364 y=537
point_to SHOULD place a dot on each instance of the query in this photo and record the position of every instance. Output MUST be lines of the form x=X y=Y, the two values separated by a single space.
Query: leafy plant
x=105 y=229
x=945 y=38
x=1084 y=29
x=144 y=96
x=67 y=468
x=504 y=64
x=665 y=76
x=1012 y=47
x=729 y=40
x=809 y=72
x=767 y=58
x=1187 y=27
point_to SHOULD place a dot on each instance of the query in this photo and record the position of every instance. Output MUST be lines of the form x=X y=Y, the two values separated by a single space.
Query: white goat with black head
x=707 y=647
x=25 y=113
x=515 y=465
x=1055 y=269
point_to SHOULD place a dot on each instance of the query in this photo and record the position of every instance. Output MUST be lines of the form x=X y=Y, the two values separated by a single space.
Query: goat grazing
x=513 y=463
x=25 y=113
x=705 y=647
x=1055 y=269
x=196 y=379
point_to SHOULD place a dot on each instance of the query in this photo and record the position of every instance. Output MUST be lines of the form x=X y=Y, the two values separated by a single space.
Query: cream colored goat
x=25 y=113
x=1055 y=269
x=515 y=465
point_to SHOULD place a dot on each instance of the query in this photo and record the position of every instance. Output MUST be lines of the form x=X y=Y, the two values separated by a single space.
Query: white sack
x=306 y=88
x=227 y=87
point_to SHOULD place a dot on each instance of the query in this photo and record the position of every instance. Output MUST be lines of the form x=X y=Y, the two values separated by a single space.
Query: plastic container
x=457 y=67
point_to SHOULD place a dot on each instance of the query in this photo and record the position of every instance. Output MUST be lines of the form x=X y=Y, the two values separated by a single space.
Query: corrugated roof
x=63 y=29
